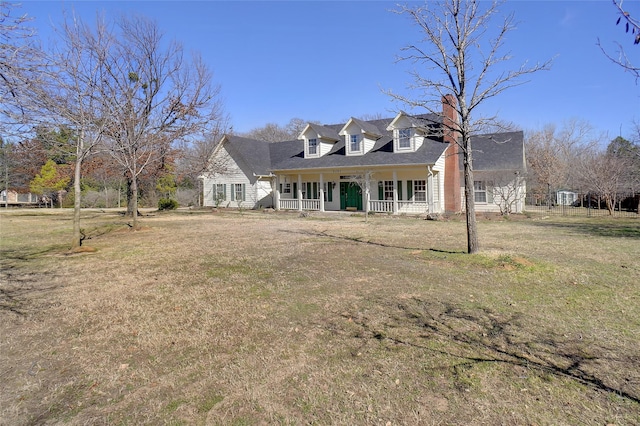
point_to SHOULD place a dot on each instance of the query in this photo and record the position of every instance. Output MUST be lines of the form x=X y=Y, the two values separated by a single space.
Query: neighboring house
x=14 y=198
x=406 y=164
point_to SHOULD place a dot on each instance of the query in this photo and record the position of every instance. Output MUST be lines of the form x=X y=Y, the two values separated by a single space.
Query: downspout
x=430 y=189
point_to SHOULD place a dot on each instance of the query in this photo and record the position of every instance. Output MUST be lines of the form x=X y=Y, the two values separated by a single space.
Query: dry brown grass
x=255 y=318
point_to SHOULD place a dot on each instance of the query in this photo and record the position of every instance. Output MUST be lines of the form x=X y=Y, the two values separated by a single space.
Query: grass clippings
x=256 y=318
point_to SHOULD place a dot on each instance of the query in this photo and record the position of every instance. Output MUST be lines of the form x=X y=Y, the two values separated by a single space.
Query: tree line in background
x=573 y=158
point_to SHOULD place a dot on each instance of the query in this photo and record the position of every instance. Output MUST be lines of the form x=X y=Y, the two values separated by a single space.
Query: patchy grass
x=254 y=318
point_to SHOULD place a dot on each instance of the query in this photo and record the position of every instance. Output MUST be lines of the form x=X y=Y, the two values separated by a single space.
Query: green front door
x=350 y=196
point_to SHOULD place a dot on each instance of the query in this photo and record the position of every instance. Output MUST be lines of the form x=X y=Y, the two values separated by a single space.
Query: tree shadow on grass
x=23 y=290
x=476 y=336
x=613 y=228
x=325 y=234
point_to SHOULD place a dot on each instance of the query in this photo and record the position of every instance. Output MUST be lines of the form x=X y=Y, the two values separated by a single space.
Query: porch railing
x=386 y=206
x=310 y=204
x=381 y=206
x=288 y=204
x=413 y=207
x=378 y=206
x=294 y=204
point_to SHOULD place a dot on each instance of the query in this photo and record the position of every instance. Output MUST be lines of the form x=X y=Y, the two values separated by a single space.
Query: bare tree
x=632 y=25
x=20 y=62
x=154 y=97
x=363 y=179
x=462 y=56
x=506 y=189
x=604 y=174
x=273 y=132
x=270 y=132
x=68 y=95
x=195 y=156
x=552 y=156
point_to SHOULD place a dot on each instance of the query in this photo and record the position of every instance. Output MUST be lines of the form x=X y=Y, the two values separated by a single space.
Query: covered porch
x=415 y=190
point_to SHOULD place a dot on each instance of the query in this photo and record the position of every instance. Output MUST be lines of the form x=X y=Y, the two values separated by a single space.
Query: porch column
x=430 y=189
x=276 y=193
x=321 y=191
x=395 y=192
x=299 y=192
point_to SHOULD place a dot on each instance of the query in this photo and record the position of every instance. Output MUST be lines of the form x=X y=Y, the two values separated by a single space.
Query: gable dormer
x=408 y=132
x=359 y=136
x=318 y=140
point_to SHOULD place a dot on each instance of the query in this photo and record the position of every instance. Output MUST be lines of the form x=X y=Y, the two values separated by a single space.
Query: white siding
x=368 y=144
x=324 y=147
x=256 y=194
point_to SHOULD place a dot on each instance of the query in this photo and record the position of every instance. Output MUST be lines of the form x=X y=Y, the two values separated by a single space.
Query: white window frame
x=404 y=135
x=220 y=193
x=286 y=188
x=355 y=143
x=237 y=189
x=480 y=191
x=387 y=190
x=312 y=146
x=420 y=190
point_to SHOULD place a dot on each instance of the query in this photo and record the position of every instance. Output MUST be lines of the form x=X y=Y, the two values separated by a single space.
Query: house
x=406 y=164
x=15 y=198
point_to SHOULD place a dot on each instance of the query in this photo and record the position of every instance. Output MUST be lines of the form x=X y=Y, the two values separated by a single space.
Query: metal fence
x=589 y=205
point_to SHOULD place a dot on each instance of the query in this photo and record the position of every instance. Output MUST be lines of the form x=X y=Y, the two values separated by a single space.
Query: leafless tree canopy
x=153 y=97
x=461 y=54
x=552 y=154
x=273 y=132
x=20 y=62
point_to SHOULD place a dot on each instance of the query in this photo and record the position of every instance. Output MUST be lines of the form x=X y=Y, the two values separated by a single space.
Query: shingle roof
x=325 y=131
x=290 y=155
x=255 y=154
x=498 y=151
x=368 y=127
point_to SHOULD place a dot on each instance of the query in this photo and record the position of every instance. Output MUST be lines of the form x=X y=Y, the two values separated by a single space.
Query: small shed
x=566 y=197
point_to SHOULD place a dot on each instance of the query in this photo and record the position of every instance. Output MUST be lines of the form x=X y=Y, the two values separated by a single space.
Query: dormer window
x=354 y=141
x=404 y=138
x=313 y=146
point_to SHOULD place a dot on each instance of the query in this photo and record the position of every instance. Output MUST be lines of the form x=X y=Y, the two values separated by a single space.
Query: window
x=404 y=138
x=328 y=191
x=388 y=190
x=310 y=190
x=238 y=192
x=313 y=146
x=419 y=190
x=287 y=188
x=220 y=192
x=479 y=191
x=354 y=143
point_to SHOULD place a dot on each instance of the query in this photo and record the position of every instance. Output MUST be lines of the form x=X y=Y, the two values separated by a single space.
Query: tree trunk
x=77 y=193
x=134 y=202
x=469 y=200
x=131 y=195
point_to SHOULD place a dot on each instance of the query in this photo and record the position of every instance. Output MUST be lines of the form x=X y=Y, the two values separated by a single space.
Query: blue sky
x=331 y=60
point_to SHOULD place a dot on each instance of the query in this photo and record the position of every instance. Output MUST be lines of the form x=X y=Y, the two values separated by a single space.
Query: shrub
x=167 y=204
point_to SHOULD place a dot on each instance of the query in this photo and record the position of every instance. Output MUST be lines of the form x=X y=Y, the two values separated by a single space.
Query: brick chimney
x=452 y=193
